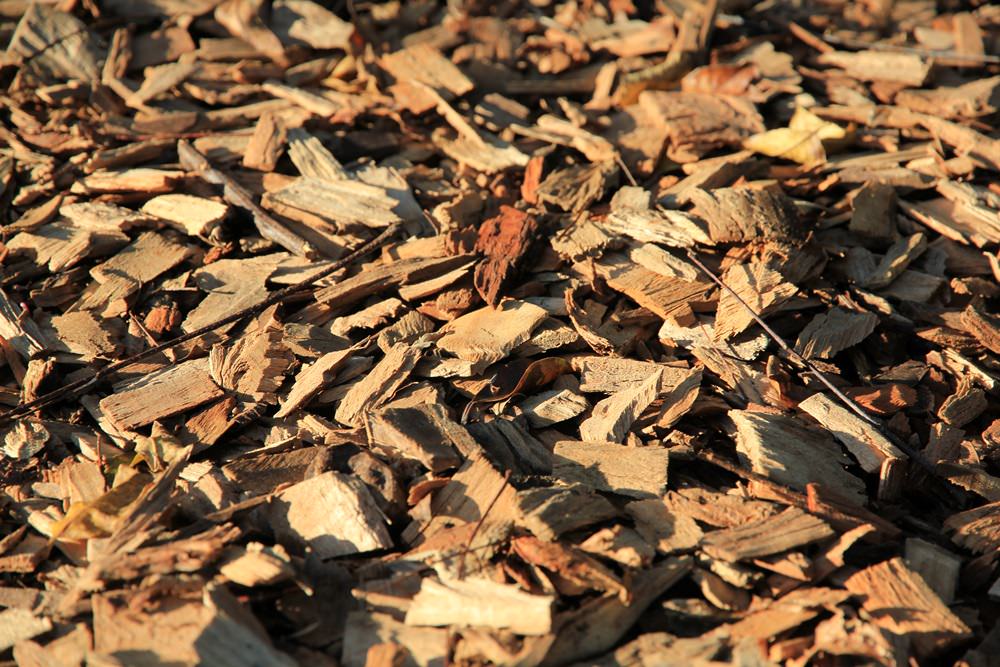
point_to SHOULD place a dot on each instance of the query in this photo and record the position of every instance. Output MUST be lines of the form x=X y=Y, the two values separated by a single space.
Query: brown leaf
x=719 y=79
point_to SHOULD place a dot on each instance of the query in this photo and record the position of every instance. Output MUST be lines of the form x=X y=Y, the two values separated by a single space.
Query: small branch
x=298 y=289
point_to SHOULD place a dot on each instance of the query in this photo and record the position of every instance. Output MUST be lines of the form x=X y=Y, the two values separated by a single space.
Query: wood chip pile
x=534 y=333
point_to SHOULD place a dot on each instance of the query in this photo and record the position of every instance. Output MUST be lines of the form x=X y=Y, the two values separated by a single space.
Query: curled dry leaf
x=805 y=140
x=719 y=79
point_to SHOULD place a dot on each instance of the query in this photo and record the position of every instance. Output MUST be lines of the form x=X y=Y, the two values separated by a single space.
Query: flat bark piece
x=20 y=330
x=900 y=601
x=302 y=22
x=874 y=212
x=150 y=255
x=139 y=179
x=582 y=238
x=977 y=529
x=480 y=602
x=612 y=418
x=425 y=646
x=698 y=123
x=762 y=289
x=488 y=335
x=504 y=241
x=667 y=297
x=424 y=64
x=969 y=100
x=97 y=216
x=549 y=512
x=607 y=375
x=718 y=509
x=425 y=433
x=896 y=259
x=905 y=68
x=20 y=625
x=313 y=159
x=790 y=529
x=160 y=394
x=937 y=566
x=860 y=438
x=81 y=332
x=195 y=216
x=160 y=79
x=379 y=385
x=345 y=202
x=742 y=214
x=61 y=245
x=783 y=449
x=267 y=143
x=834 y=331
x=600 y=623
x=674 y=229
x=55 y=46
x=639 y=472
x=232 y=285
x=668 y=531
x=332 y=514
x=479 y=150
x=553 y=407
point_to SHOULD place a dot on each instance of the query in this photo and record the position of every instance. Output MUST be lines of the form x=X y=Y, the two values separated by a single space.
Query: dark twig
x=74 y=388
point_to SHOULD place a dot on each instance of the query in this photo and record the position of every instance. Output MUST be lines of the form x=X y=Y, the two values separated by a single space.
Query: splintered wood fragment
x=425 y=433
x=698 y=123
x=61 y=245
x=639 y=472
x=668 y=531
x=504 y=242
x=195 y=216
x=19 y=330
x=760 y=288
x=267 y=143
x=161 y=79
x=480 y=602
x=20 y=625
x=344 y=202
x=860 y=438
x=55 y=45
x=332 y=514
x=512 y=447
x=985 y=327
x=632 y=215
x=608 y=375
x=254 y=365
x=95 y=215
x=718 y=509
x=781 y=448
x=552 y=407
x=742 y=214
x=81 y=332
x=900 y=601
x=237 y=195
x=311 y=102
x=576 y=187
x=423 y=64
x=896 y=259
x=378 y=387
x=487 y=335
x=600 y=623
x=257 y=565
x=874 y=212
x=140 y=179
x=667 y=297
x=613 y=417
x=832 y=332
x=965 y=405
x=160 y=394
x=904 y=68
x=788 y=530
x=312 y=158
x=231 y=285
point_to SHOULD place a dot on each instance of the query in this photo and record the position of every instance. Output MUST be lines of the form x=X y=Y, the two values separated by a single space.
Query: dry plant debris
x=533 y=333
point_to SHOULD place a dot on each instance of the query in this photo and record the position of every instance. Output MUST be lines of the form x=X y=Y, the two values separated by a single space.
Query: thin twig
x=479 y=524
x=298 y=289
x=816 y=372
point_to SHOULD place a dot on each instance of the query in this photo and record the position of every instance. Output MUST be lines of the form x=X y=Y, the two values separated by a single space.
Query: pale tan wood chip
x=480 y=602
x=487 y=335
x=160 y=394
x=139 y=179
x=333 y=514
x=639 y=472
x=195 y=216
x=612 y=418
x=900 y=601
x=905 y=68
x=762 y=289
x=860 y=438
x=788 y=530
x=422 y=63
x=667 y=297
x=379 y=385
x=425 y=646
x=668 y=531
x=831 y=332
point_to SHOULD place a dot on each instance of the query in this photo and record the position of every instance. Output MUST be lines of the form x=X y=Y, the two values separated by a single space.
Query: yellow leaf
x=807 y=121
x=799 y=146
x=98 y=517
